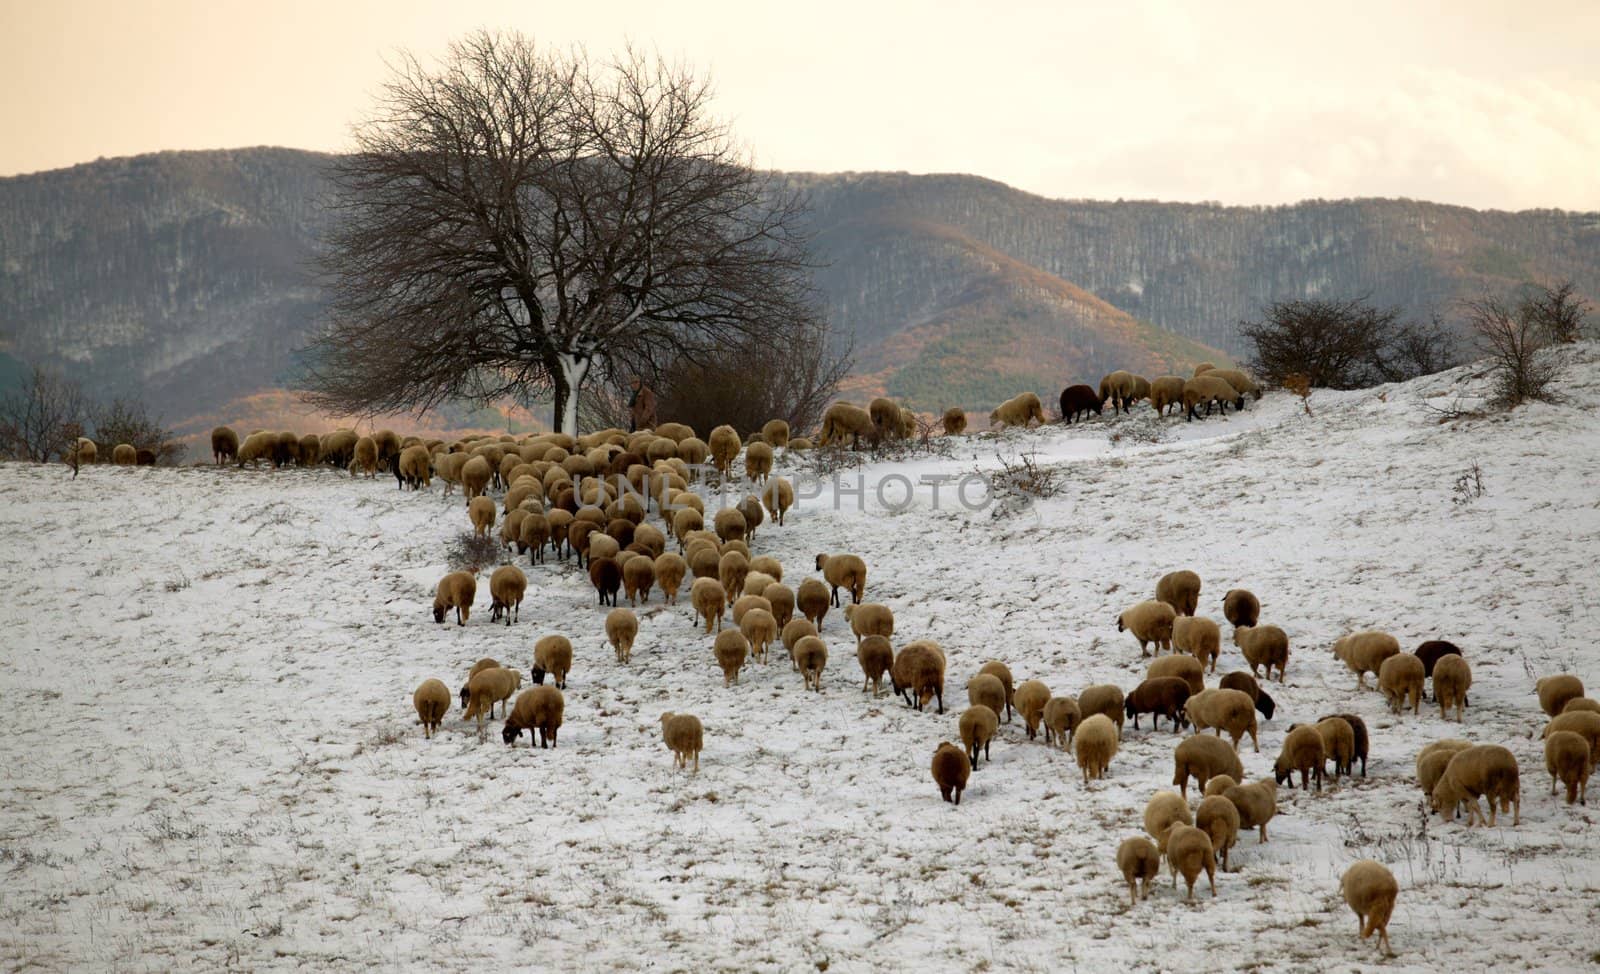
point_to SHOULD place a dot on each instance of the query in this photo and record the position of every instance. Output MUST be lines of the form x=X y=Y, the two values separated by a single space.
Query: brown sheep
x=758 y=462
x=1150 y=622
x=1140 y=862
x=537 y=709
x=811 y=655
x=685 y=736
x=847 y=571
x=622 y=628
x=638 y=577
x=1163 y=696
x=1555 y=691
x=1094 y=746
x=876 y=657
x=1030 y=699
x=1079 y=400
x=1165 y=391
x=670 y=569
x=1001 y=672
x=1117 y=389
x=732 y=568
x=776 y=433
x=1219 y=820
x=1061 y=718
x=455 y=591
x=1486 y=770
x=1369 y=888
x=1433 y=759
x=986 y=690
x=552 y=655
x=1184 y=667
x=730 y=650
x=778 y=496
x=1203 y=757
x=1240 y=680
x=432 y=702
x=1338 y=742
x=1569 y=758
x=725 y=444
x=1434 y=650
x=761 y=629
x=1199 y=636
x=951 y=769
x=1452 y=678
x=1019 y=410
x=1360 y=741
x=710 y=602
x=1240 y=607
x=954 y=421
x=475 y=474
x=1208 y=390
x=488 y=687
x=506 y=588
x=1102 y=698
x=1401 y=678
x=1162 y=812
x=918 y=673
x=1181 y=590
x=1302 y=751
x=1364 y=652
x=1257 y=803
x=885 y=415
x=978 y=725
x=1581 y=722
x=1189 y=851
x=606 y=577
x=1263 y=646
x=224 y=445
x=782 y=599
x=812 y=600
x=1581 y=703
x=842 y=420
x=869 y=619
x=729 y=524
x=1225 y=710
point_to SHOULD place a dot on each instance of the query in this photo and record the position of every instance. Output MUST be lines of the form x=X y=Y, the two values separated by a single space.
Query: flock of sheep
x=593 y=497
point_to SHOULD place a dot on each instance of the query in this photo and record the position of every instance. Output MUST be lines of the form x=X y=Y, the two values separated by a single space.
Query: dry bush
x=1516 y=342
x=37 y=418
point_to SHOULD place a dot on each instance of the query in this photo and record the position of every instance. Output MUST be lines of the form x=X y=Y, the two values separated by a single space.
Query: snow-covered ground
x=211 y=757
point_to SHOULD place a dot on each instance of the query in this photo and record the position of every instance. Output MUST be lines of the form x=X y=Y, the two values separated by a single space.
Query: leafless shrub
x=1469 y=486
x=36 y=418
x=1019 y=481
x=129 y=421
x=823 y=462
x=1559 y=312
x=1515 y=340
x=1346 y=344
x=471 y=552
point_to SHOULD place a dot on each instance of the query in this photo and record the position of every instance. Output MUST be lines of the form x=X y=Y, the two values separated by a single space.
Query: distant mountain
x=184 y=277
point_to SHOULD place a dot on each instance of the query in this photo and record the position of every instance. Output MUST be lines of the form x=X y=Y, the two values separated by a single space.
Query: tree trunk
x=572 y=368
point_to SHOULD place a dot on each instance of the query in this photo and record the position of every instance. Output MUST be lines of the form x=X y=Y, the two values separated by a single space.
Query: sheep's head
x=1265 y=705
x=1281 y=772
x=821 y=559
x=538 y=674
x=438 y=612
x=509 y=734
x=466 y=696
x=1120 y=627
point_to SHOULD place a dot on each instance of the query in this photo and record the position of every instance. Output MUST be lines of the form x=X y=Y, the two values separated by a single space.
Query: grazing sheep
x=1184 y=667
x=1452 y=678
x=710 y=601
x=685 y=521
x=918 y=673
x=1030 y=699
x=1061 y=718
x=552 y=655
x=1199 y=636
x=475 y=474
x=758 y=462
x=684 y=737
x=1140 y=862
x=88 y=452
x=487 y=688
x=978 y=725
x=481 y=510
x=1165 y=391
x=811 y=655
x=1241 y=383
x=224 y=446
x=1117 y=389
x=847 y=571
x=537 y=709
x=432 y=701
x=1203 y=757
x=1219 y=820
x=812 y=600
x=1164 y=810
x=869 y=619
x=1181 y=590
x=670 y=570
x=1568 y=757
x=1240 y=607
x=1189 y=851
x=782 y=599
x=843 y=419
x=778 y=496
x=1302 y=751
x=1102 y=698
x=987 y=690
x=885 y=414
x=125 y=455
x=506 y=588
x=1240 y=680
x=1434 y=650
x=1580 y=703
x=1079 y=400
x=1209 y=390
x=730 y=650
x=1001 y=672
x=486 y=663
x=622 y=627
x=1019 y=410
x=1263 y=646
x=876 y=658
x=258 y=446
x=455 y=591
x=1163 y=696
x=1581 y=722
x=954 y=421
x=413 y=468
x=1486 y=770
x=1401 y=678
x=1555 y=691
x=729 y=524
x=1095 y=745
x=761 y=629
x=1433 y=759
x=776 y=433
x=1257 y=803
x=1203 y=368
x=638 y=577
x=732 y=568
x=1359 y=741
x=606 y=577
x=724 y=443
x=1364 y=652
x=951 y=769
x=1338 y=742
x=1370 y=890
x=1150 y=622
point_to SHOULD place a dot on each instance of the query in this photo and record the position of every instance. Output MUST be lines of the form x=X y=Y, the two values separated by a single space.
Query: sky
x=1491 y=105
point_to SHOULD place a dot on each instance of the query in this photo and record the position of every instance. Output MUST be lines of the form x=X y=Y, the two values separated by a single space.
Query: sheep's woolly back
x=1095 y=744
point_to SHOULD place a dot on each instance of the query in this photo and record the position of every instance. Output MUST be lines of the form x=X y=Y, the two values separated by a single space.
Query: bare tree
x=1516 y=342
x=1344 y=344
x=518 y=223
x=37 y=418
x=129 y=421
x=1559 y=312
x=754 y=382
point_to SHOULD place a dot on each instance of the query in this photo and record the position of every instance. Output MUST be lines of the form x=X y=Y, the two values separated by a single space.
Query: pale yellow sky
x=1488 y=105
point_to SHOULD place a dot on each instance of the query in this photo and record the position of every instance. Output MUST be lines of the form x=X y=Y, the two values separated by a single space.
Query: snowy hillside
x=211 y=756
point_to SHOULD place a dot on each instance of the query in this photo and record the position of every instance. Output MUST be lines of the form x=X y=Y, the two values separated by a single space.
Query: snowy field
x=211 y=760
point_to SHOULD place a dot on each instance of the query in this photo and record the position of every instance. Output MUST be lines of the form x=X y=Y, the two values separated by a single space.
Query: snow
x=212 y=758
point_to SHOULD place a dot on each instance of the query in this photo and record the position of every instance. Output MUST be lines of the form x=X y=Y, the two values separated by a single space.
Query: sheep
x=844 y=419
x=1095 y=745
x=552 y=655
x=710 y=601
x=876 y=658
x=1219 y=820
x=1369 y=888
x=724 y=444
x=1163 y=696
x=677 y=432
x=1263 y=646
x=638 y=577
x=1162 y=812
x=1434 y=650
x=606 y=577
x=475 y=474
x=1364 y=652
x=954 y=421
x=1203 y=368
x=746 y=603
x=1359 y=741
x=455 y=591
x=1079 y=400
x=1197 y=635
x=811 y=655
x=1302 y=751
x=432 y=702
x=1452 y=678
x=729 y=524
x=1581 y=722
x=1401 y=678
x=413 y=468
x=622 y=627
x=488 y=687
x=1001 y=672
x=1019 y=410
x=1240 y=680
x=918 y=673
x=1433 y=759
x=778 y=496
x=978 y=725
x=602 y=546
x=1208 y=389
x=1338 y=742
x=986 y=689
x=1569 y=758
x=506 y=588
x=1150 y=622
x=1580 y=703
x=224 y=446
x=776 y=432
x=732 y=568
x=761 y=629
x=848 y=571
x=88 y=452
x=782 y=599
x=730 y=650
x=1165 y=391
x=338 y=447
x=812 y=600
x=885 y=415
x=145 y=457
x=951 y=769
x=258 y=446
x=365 y=456
x=1203 y=757
x=684 y=521
x=1189 y=851
x=1102 y=698
x=1240 y=607
x=286 y=450
x=1117 y=389
x=537 y=709
x=651 y=538
x=685 y=737
x=1181 y=590
x=1030 y=699
x=670 y=569
x=481 y=511
x=1184 y=667
x=758 y=462
x=1555 y=691
x=1220 y=783
x=1140 y=862
x=1242 y=384
x=1257 y=803
x=486 y=663
x=1486 y=770
x=1061 y=718
x=869 y=619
